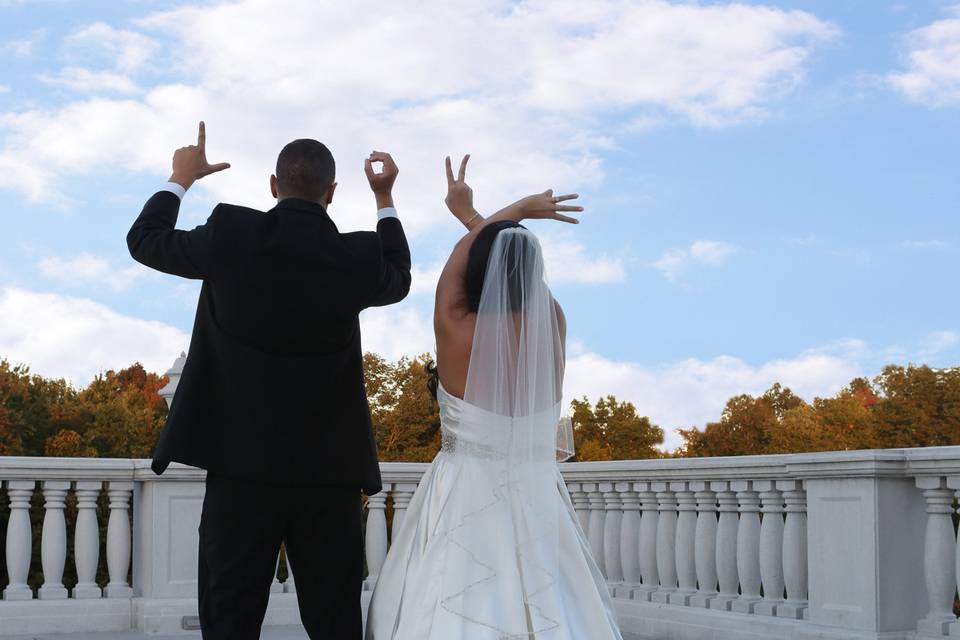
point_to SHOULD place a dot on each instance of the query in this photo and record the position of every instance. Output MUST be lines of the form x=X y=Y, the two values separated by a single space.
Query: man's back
x=287 y=282
x=273 y=383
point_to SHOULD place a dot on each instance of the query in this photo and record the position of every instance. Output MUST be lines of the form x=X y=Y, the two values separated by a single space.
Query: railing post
x=86 y=540
x=727 y=526
x=595 y=528
x=53 y=543
x=376 y=534
x=613 y=516
x=953 y=482
x=666 y=542
x=705 y=541
x=290 y=584
x=771 y=547
x=686 y=548
x=794 y=550
x=118 y=540
x=629 y=539
x=748 y=546
x=649 y=524
x=276 y=586
x=865 y=551
x=939 y=559
x=19 y=546
x=581 y=504
x=402 y=494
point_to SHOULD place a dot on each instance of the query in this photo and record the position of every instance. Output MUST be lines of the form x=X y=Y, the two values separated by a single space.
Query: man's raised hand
x=381 y=182
x=190 y=163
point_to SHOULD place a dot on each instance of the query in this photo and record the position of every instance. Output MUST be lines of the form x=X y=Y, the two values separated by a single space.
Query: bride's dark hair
x=479 y=256
x=476 y=272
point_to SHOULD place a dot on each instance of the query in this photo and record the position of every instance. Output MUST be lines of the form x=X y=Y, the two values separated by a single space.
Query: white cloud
x=568 y=261
x=925 y=244
x=76 y=338
x=88 y=81
x=23 y=47
x=932 y=73
x=519 y=86
x=397 y=331
x=124 y=49
x=89 y=270
x=4 y=88
x=674 y=262
x=693 y=392
x=424 y=279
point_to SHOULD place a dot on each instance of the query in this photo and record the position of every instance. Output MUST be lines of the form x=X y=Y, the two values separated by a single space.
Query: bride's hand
x=459 y=194
x=546 y=206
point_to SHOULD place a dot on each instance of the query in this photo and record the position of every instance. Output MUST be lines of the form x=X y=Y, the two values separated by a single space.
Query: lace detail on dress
x=452 y=444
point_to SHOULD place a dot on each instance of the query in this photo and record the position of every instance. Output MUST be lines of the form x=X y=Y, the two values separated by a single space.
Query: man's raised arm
x=153 y=239
x=394 y=280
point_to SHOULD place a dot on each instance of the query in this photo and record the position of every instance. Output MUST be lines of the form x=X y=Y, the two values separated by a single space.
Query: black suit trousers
x=242 y=526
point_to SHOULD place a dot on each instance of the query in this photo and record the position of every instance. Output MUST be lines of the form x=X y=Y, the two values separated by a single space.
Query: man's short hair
x=305 y=169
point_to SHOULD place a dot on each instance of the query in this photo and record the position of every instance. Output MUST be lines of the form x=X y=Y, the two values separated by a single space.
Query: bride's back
x=499 y=331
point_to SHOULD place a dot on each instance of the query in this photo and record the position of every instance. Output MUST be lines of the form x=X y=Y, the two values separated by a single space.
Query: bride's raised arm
x=451 y=299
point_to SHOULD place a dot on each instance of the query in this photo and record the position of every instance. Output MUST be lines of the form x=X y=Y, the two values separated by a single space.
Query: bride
x=490 y=547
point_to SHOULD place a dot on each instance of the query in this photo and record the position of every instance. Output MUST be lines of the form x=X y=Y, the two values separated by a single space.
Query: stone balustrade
x=829 y=545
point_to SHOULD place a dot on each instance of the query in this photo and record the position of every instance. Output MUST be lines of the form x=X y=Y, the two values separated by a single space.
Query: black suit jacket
x=273 y=384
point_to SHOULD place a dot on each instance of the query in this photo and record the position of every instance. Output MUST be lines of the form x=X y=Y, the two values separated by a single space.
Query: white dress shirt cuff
x=387 y=212
x=175 y=189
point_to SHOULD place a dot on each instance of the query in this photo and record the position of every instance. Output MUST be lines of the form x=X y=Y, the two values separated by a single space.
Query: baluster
x=727 y=527
x=118 y=540
x=953 y=482
x=794 y=550
x=666 y=542
x=290 y=585
x=629 y=540
x=612 y=519
x=939 y=561
x=748 y=547
x=649 y=524
x=686 y=544
x=705 y=541
x=581 y=504
x=402 y=494
x=376 y=536
x=86 y=540
x=53 y=540
x=595 y=528
x=276 y=586
x=771 y=547
x=19 y=540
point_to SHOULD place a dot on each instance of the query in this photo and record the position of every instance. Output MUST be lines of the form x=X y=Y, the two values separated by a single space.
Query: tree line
x=119 y=414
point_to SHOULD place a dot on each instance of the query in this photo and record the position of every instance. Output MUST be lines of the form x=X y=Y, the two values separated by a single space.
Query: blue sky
x=771 y=187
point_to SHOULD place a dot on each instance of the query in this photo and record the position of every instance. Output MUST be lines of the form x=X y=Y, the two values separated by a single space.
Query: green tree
x=613 y=430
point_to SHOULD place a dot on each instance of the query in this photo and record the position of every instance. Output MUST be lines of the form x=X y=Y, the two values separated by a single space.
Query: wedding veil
x=514 y=388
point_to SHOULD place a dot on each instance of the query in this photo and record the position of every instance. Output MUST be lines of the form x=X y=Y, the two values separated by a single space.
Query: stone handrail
x=857 y=544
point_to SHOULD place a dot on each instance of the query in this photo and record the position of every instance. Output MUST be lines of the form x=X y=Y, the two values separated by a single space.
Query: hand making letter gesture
x=190 y=163
x=459 y=194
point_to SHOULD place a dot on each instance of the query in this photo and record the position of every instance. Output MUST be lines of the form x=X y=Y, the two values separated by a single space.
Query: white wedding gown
x=453 y=573
x=490 y=547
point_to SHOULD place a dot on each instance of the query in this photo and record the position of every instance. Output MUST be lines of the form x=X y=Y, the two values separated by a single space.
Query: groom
x=272 y=399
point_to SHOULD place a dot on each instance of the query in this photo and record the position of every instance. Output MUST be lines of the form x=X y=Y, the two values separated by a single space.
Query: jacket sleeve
x=154 y=242
x=393 y=280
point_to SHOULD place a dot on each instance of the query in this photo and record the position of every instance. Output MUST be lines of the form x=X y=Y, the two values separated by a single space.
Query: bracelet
x=472 y=218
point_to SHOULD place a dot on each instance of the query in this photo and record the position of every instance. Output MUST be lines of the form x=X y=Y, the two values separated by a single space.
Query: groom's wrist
x=181 y=180
x=384 y=199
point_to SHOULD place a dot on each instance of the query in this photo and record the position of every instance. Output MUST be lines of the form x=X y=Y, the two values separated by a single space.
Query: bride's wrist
x=472 y=219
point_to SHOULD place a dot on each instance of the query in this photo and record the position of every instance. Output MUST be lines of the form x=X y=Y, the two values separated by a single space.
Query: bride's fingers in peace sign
x=462 y=173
